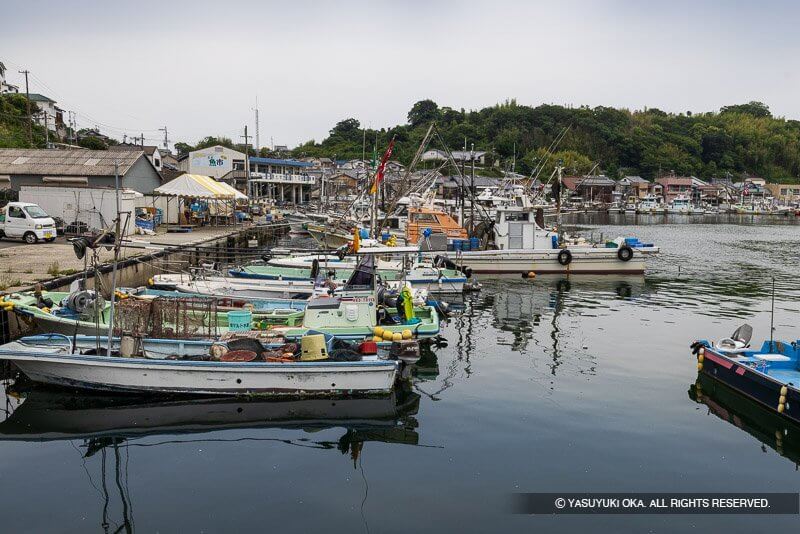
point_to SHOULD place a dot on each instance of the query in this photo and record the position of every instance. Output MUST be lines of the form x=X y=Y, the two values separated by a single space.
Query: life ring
x=565 y=257
x=625 y=253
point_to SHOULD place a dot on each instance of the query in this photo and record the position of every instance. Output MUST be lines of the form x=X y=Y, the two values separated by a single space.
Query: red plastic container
x=368 y=347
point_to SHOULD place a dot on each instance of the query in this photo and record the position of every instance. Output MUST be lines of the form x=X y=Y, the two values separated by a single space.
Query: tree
x=756 y=109
x=346 y=128
x=183 y=148
x=92 y=143
x=423 y=112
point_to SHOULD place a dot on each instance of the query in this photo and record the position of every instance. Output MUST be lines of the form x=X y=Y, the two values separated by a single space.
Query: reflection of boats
x=54 y=414
x=109 y=427
x=765 y=425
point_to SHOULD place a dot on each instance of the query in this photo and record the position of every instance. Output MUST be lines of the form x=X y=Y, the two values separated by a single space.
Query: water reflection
x=772 y=430
x=108 y=427
x=42 y=414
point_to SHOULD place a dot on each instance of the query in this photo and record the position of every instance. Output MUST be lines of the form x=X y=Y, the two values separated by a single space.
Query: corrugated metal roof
x=70 y=162
x=596 y=181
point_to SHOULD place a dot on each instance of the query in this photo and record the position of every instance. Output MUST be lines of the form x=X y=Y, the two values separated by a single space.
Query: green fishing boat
x=84 y=312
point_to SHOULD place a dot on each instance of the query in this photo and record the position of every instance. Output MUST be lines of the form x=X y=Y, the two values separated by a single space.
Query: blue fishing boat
x=769 y=375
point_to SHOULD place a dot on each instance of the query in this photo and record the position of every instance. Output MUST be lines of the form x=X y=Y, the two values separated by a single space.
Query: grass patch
x=7 y=281
x=67 y=272
x=53 y=269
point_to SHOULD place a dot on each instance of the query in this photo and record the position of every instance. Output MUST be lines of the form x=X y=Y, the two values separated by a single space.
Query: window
x=36 y=212
x=423 y=218
x=516 y=216
x=157 y=163
x=16 y=212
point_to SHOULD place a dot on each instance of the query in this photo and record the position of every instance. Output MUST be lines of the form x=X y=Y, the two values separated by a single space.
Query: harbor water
x=548 y=384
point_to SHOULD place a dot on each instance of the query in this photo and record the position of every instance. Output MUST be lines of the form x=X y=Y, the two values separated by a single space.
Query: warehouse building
x=77 y=167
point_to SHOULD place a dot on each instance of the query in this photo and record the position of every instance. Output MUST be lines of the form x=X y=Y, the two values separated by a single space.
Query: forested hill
x=739 y=139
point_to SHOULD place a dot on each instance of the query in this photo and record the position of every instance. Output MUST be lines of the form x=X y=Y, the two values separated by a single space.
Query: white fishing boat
x=217 y=285
x=57 y=360
x=651 y=204
x=682 y=205
x=518 y=244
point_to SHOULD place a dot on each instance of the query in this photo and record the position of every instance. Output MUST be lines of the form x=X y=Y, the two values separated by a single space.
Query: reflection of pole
x=555 y=332
x=104 y=523
x=126 y=522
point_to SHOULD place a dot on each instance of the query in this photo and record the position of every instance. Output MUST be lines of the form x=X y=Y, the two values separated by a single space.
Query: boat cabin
x=516 y=228
x=355 y=305
x=420 y=219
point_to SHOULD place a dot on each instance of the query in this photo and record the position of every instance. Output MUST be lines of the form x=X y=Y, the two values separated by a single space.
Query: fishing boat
x=329 y=235
x=769 y=375
x=651 y=204
x=682 y=205
x=432 y=279
x=186 y=367
x=85 y=312
x=514 y=242
x=434 y=221
x=215 y=284
x=357 y=312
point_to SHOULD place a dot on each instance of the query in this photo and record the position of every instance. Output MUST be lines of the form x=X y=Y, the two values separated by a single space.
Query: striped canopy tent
x=220 y=197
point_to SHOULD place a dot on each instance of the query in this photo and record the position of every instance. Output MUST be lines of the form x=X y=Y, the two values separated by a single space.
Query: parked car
x=27 y=221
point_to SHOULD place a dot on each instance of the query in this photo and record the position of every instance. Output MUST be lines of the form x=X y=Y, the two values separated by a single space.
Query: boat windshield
x=363 y=276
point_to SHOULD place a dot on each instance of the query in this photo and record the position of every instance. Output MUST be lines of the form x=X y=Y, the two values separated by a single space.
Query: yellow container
x=312 y=348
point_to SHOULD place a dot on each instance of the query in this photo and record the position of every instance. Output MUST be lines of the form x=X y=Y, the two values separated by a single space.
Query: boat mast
x=472 y=192
x=559 y=168
x=117 y=242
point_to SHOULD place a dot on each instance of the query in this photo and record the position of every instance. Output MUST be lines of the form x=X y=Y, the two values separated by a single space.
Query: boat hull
x=755 y=385
x=545 y=261
x=138 y=375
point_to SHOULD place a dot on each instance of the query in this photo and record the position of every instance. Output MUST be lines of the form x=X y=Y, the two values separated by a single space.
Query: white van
x=26 y=221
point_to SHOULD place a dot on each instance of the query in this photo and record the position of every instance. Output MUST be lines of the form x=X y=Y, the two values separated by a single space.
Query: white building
x=282 y=180
x=6 y=87
x=215 y=161
x=458 y=155
x=49 y=113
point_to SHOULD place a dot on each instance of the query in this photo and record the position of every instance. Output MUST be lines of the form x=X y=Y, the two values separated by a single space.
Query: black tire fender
x=565 y=257
x=625 y=253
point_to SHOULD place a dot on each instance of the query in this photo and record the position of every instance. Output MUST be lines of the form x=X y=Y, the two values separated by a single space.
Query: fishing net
x=167 y=318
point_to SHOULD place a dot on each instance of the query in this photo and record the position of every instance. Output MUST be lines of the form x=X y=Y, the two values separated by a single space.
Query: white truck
x=27 y=221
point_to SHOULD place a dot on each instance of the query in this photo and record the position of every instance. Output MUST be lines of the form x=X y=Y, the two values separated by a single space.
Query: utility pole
x=28 y=105
x=166 y=137
x=46 y=130
x=247 y=160
x=258 y=136
x=142 y=139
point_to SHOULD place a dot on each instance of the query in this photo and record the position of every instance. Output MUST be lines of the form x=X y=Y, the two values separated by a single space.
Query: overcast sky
x=198 y=66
